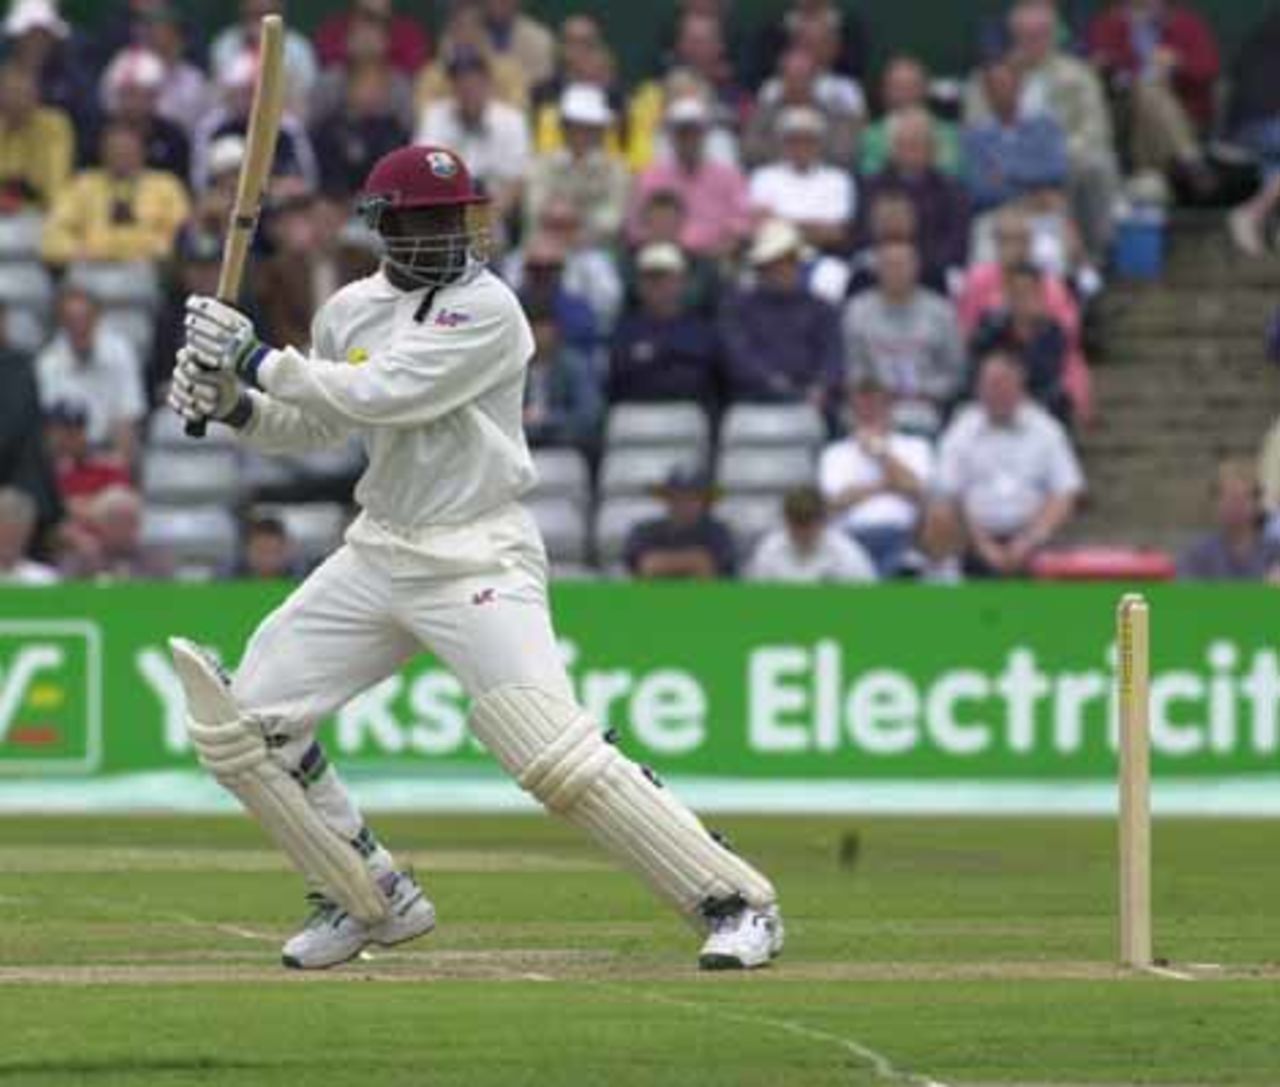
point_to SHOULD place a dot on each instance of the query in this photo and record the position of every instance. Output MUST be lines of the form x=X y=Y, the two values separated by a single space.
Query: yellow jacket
x=38 y=153
x=99 y=218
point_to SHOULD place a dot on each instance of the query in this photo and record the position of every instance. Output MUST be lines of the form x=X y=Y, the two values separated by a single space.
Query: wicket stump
x=1132 y=646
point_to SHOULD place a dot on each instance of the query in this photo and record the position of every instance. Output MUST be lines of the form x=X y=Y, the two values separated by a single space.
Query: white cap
x=226 y=153
x=775 y=238
x=796 y=120
x=585 y=104
x=27 y=15
x=134 y=67
x=688 y=109
x=660 y=257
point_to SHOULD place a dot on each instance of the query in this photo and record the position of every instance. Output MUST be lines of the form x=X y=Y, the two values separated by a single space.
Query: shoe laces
x=324 y=910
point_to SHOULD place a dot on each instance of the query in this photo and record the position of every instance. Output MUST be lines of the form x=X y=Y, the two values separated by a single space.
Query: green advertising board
x=740 y=683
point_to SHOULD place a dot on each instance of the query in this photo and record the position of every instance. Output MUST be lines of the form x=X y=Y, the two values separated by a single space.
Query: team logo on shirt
x=451 y=318
x=357 y=356
x=442 y=164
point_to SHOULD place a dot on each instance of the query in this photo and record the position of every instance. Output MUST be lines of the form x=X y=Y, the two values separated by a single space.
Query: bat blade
x=255 y=170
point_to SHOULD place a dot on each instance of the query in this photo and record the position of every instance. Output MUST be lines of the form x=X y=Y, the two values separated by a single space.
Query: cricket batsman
x=424 y=360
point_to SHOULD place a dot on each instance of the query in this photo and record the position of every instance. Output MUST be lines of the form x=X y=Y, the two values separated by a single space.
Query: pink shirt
x=717 y=206
x=983 y=289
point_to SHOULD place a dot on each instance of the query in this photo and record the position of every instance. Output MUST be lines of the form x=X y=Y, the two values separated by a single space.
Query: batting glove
x=200 y=391
x=223 y=337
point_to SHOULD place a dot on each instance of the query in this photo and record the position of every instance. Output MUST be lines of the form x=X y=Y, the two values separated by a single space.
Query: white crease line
x=1168 y=972
x=881 y=1066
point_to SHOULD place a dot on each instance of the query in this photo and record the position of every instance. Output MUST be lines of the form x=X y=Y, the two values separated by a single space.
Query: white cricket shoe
x=331 y=935
x=742 y=939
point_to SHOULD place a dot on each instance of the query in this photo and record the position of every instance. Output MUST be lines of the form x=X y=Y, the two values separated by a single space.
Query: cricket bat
x=259 y=155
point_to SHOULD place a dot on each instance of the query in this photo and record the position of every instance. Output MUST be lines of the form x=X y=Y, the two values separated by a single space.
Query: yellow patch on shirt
x=357 y=356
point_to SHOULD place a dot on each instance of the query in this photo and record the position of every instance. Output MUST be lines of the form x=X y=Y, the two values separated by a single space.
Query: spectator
x=688 y=541
x=239 y=42
x=875 y=479
x=131 y=94
x=1069 y=91
x=661 y=217
x=648 y=134
x=490 y=136
x=905 y=85
x=368 y=50
x=843 y=33
x=516 y=34
x=17 y=530
x=294 y=153
x=1008 y=468
x=590 y=269
x=466 y=32
x=1010 y=156
x=23 y=460
x=798 y=83
x=1268 y=458
x=120 y=211
x=891 y=218
x=82 y=472
x=1161 y=61
x=37 y=145
x=408 y=45
x=112 y=548
x=542 y=287
x=38 y=40
x=365 y=127
x=940 y=202
x=266 y=551
x=1254 y=122
x=661 y=350
x=185 y=94
x=562 y=401
x=1237 y=549
x=584 y=57
x=90 y=365
x=907 y=339
x=780 y=342
x=819 y=199
x=582 y=173
x=1025 y=331
x=714 y=194
x=700 y=48
x=806 y=549
x=986 y=287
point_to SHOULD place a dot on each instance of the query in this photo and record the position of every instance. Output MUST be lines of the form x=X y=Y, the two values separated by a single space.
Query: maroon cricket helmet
x=420 y=177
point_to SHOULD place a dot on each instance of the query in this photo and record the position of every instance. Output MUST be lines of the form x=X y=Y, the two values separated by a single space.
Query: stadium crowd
x=796 y=317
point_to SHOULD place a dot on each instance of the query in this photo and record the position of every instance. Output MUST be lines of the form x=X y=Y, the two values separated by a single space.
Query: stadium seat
x=195 y=536
x=118 y=283
x=562 y=473
x=680 y=423
x=772 y=424
x=20 y=236
x=616 y=518
x=315 y=528
x=26 y=292
x=172 y=477
x=750 y=516
x=633 y=470
x=755 y=469
x=563 y=526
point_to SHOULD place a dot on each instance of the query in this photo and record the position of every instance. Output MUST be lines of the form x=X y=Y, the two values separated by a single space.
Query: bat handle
x=197 y=428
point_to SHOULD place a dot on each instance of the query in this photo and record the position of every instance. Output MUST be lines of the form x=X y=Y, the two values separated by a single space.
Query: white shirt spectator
x=496 y=150
x=29 y=573
x=833 y=93
x=109 y=384
x=834 y=558
x=1002 y=475
x=820 y=194
x=846 y=464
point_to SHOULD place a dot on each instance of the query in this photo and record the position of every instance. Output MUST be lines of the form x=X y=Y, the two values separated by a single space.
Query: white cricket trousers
x=475 y=597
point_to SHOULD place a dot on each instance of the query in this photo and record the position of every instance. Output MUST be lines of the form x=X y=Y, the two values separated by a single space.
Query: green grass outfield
x=143 y=950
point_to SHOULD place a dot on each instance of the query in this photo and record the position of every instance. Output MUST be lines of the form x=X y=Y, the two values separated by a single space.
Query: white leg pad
x=238 y=757
x=557 y=753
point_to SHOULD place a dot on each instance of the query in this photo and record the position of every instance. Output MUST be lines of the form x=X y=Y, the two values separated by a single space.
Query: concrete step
x=1204 y=357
